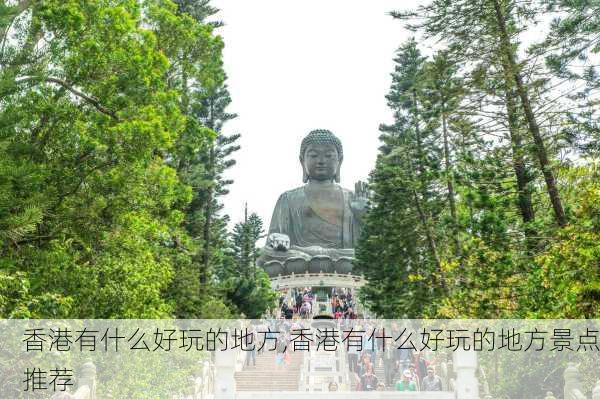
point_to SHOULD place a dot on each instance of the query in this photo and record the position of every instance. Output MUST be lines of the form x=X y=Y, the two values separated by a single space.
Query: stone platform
x=307 y=279
x=299 y=265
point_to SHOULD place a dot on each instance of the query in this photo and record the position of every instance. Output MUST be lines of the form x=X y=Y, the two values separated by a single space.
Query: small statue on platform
x=319 y=220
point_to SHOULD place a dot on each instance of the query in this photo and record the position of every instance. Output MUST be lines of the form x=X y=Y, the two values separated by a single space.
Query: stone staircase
x=380 y=373
x=267 y=376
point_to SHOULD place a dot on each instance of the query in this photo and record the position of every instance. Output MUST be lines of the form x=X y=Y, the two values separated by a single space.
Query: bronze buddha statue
x=318 y=221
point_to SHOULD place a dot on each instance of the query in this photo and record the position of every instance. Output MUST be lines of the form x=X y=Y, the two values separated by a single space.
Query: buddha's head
x=321 y=156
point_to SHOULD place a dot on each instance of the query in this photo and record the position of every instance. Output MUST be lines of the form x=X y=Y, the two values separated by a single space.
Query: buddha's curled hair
x=321 y=136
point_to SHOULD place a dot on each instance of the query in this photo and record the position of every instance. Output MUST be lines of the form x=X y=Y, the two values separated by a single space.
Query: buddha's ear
x=304 y=171
x=337 y=172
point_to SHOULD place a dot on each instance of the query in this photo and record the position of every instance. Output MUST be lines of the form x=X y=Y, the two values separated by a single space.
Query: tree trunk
x=524 y=200
x=534 y=129
x=206 y=231
x=450 y=181
x=205 y=266
x=420 y=156
x=420 y=209
x=516 y=141
x=430 y=238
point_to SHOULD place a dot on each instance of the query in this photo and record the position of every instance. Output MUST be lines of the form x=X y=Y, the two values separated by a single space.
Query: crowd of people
x=342 y=303
x=403 y=369
x=275 y=336
x=300 y=303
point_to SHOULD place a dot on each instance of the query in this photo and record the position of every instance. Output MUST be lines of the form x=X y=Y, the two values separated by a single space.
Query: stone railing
x=484 y=384
x=466 y=384
x=573 y=387
x=304 y=373
x=203 y=385
x=444 y=370
x=86 y=386
x=313 y=279
x=321 y=368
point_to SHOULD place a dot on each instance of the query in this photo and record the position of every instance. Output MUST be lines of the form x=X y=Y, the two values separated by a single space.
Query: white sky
x=295 y=66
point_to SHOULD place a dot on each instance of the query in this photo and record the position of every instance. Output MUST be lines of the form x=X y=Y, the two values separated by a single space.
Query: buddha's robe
x=313 y=229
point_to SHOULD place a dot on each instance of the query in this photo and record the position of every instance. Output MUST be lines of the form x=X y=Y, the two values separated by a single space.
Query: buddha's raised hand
x=360 y=200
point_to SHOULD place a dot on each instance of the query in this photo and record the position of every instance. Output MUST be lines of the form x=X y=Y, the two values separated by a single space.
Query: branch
x=89 y=99
x=23 y=5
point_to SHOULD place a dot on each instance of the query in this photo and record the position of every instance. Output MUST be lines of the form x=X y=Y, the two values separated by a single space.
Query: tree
x=394 y=255
x=457 y=225
x=247 y=288
x=571 y=51
x=91 y=209
x=476 y=29
x=442 y=93
x=244 y=239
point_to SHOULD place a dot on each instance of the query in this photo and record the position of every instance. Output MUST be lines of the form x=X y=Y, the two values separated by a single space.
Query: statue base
x=300 y=265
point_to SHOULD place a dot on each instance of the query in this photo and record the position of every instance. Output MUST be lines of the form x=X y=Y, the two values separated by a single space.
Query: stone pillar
x=465 y=366
x=225 y=362
x=572 y=381
x=596 y=391
x=88 y=377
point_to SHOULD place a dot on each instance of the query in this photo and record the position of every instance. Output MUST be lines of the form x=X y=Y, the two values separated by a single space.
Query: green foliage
x=246 y=287
x=566 y=281
x=459 y=224
x=101 y=106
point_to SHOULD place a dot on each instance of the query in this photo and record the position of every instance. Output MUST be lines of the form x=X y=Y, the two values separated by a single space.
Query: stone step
x=267 y=376
x=264 y=376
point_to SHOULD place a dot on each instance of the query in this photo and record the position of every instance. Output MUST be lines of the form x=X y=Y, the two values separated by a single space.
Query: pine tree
x=245 y=238
x=201 y=164
x=442 y=93
x=394 y=256
x=93 y=105
x=247 y=287
x=476 y=29
x=571 y=51
x=458 y=225
x=216 y=160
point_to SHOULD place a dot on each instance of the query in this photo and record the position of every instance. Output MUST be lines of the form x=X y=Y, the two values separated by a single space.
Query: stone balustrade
x=86 y=387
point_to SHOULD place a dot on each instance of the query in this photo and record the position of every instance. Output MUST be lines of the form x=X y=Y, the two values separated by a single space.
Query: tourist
x=369 y=344
x=420 y=365
x=363 y=363
x=415 y=376
x=390 y=365
x=298 y=301
x=338 y=314
x=406 y=383
x=404 y=358
x=305 y=310
x=353 y=358
x=368 y=381
x=431 y=382
x=253 y=342
x=288 y=313
x=351 y=315
x=306 y=297
x=280 y=352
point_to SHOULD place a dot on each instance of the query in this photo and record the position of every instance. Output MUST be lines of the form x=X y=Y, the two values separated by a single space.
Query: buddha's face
x=321 y=162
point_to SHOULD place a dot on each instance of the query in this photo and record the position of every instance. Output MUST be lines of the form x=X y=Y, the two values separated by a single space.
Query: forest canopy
x=112 y=156
x=485 y=196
